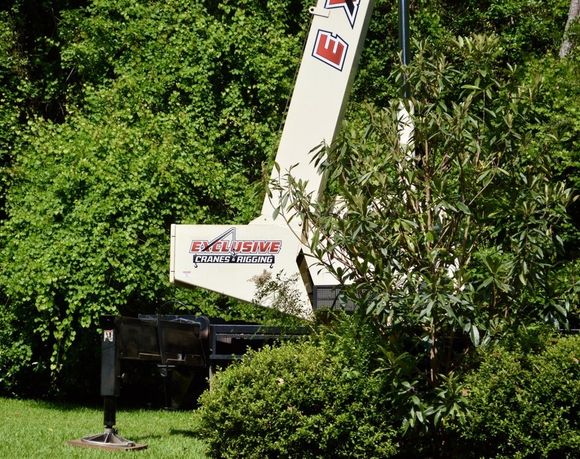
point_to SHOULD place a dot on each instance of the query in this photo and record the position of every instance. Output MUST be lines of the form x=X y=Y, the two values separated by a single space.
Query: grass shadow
x=183 y=433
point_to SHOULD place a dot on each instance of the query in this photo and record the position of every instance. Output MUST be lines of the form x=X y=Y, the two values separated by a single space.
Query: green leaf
x=463 y=208
x=474 y=335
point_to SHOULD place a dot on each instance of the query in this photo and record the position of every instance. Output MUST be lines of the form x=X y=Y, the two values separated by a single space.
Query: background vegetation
x=118 y=118
x=323 y=399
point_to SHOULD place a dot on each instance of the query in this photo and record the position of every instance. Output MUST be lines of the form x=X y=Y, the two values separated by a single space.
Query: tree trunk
x=567 y=44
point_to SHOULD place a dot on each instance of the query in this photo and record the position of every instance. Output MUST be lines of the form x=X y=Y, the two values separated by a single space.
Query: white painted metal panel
x=321 y=90
x=229 y=259
x=314 y=114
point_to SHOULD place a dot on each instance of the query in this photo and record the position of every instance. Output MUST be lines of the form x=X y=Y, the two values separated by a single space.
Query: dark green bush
x=523 y=400
x=298 y=400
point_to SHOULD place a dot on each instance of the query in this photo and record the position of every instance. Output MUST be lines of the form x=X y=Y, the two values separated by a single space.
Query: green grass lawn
x=35 y=429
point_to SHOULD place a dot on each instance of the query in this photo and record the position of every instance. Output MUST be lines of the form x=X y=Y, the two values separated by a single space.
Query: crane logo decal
x=330 y=49
x=350 y=8
x=225 y=248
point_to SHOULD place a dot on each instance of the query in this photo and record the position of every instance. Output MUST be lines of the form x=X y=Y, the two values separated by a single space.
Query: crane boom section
x=237 y=259
x=321 y=91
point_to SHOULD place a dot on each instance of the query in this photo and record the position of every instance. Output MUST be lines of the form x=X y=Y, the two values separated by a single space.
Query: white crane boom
x=230 y=259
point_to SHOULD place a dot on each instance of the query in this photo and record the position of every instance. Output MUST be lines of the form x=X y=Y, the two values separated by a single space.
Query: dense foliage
x=452 y=242
x=171 y=111
x=456 y=237
x=523 y=400
x=519 y=400
x=300 y=400
x=118 y=118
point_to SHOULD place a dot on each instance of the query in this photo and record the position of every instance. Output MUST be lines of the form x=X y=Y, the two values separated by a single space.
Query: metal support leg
x=109 y=412
x=110 y=388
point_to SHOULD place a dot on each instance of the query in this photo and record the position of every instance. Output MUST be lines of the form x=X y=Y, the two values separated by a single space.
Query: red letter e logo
x=330 y=49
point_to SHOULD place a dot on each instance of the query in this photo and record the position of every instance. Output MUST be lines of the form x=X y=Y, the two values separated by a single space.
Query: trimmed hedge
x=523 y=401
x=298 y=400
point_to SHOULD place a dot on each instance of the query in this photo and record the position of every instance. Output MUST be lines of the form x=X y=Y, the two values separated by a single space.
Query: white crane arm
x=233 y=259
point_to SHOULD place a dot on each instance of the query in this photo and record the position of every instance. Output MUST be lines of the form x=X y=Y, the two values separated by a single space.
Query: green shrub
x=298 y=400
x=524 y=400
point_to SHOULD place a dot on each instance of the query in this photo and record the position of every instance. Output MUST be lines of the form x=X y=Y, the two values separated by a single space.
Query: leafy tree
x=525 y=27
x=175 y=109
x=11 y=70
x=555 y=136
x=447 y=242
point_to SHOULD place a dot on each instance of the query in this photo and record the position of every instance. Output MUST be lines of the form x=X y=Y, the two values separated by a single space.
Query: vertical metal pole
x=404 y=39
x=109 y=370
x=110 y=388
x=109 y=412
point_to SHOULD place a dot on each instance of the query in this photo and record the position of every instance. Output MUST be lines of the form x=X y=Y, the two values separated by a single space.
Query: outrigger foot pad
x=109 y=439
